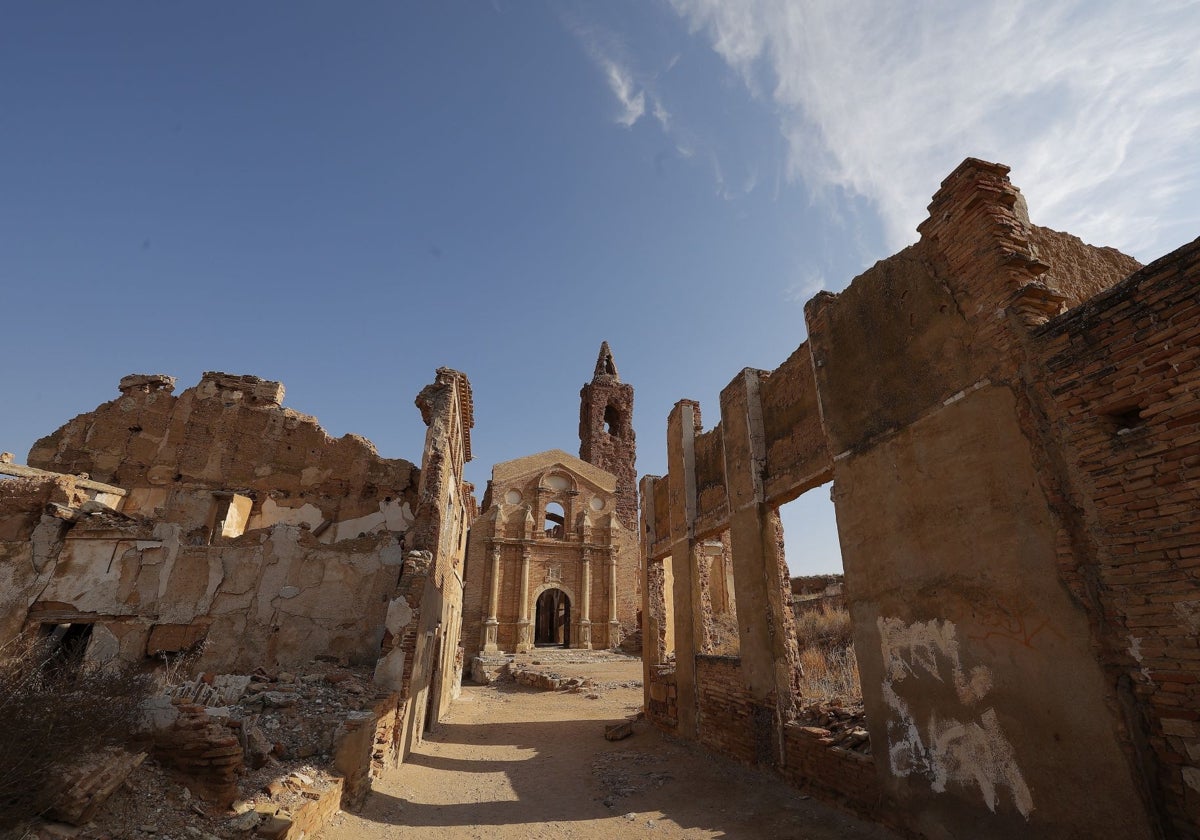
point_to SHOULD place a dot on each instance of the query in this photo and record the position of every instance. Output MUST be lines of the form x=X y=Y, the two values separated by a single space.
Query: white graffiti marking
x=945 y=750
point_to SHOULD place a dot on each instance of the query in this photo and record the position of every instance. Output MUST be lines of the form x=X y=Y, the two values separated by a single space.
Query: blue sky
x=344 y=197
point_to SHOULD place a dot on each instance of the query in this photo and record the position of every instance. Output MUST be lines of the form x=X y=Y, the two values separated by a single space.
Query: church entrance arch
x=552 y=621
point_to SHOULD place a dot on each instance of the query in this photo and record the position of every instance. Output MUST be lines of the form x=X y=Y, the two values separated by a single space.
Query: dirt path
x=517 y=764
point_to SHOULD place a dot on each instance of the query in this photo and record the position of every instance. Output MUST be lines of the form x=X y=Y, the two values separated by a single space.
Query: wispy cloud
x=620 y=82
x=661 y=114
x=805 y=286
x=1095 y=105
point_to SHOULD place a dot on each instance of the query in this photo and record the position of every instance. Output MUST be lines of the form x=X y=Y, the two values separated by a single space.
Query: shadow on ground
x=564 y=772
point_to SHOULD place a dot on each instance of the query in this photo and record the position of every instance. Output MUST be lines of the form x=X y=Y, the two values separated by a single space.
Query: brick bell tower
x=606 y=436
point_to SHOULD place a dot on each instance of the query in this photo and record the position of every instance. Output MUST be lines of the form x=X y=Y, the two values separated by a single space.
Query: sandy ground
x=512 y=763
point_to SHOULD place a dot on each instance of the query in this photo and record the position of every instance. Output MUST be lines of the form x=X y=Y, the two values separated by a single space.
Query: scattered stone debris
x=281 y=732
x=617 y=731
x=844 y=727
x=622 y=773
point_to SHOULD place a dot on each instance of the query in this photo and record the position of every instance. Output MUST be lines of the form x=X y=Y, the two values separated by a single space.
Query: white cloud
x=620 y=81
x=805 y=286
x=662 y=115
x=1095 y=105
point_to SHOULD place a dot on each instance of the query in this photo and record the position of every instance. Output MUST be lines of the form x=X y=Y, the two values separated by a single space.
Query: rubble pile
x=838 y=726
x=261 y=763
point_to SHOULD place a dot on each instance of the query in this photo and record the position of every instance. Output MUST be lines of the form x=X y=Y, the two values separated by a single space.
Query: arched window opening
x=612 y=421
x=556 y=521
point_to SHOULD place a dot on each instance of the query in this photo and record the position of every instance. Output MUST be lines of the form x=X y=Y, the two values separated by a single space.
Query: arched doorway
x=552 y=621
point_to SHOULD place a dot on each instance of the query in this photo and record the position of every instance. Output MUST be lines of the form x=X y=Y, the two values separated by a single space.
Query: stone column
x=770 y=659
x=491 y=626
x=524 y=634
x=682 y=425
x=614 y=626
x=585 y=606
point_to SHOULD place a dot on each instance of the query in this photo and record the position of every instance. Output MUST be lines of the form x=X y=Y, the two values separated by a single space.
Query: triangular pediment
x=509 y=472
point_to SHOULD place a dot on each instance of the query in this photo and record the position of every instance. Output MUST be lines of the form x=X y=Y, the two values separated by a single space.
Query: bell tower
x=606 y=436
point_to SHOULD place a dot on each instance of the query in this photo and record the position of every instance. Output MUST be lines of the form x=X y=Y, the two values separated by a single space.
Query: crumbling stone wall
x=422 y=658
x=231 y=433
x=244 y=531
x=993 y=491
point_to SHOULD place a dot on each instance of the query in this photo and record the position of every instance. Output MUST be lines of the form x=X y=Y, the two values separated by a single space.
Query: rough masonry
x=1010 y=421
x=219 y=524
x=553 y=559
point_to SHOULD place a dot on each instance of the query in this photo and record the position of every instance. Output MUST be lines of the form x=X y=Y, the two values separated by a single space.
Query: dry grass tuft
x=830 y=668
x=723 y=636
x=56 y=709
x=824 y=625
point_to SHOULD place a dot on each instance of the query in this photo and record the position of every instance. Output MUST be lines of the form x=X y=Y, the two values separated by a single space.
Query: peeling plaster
x=392 y=516
x=945 y=750
x=389 y=671
x=392 y=554
x=47 y=542
x=399 y=615
x=276 y=514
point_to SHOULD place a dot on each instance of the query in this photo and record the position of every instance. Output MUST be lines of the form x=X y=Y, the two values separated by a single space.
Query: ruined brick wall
x=834 y=774
x=989 y=493
x=1076 y=270
x=306 y=568
x=231 y=433
x=204 y=751
x=728 y=715
x=1123 y=402
x=355 y=746
x=662 y=698
x=734 y=725
x=272 y=598
x=418 y=638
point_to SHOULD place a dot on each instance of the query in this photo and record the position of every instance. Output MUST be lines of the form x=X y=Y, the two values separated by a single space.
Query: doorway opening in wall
x=65 y=646
x=715 y=577
x=552 y=620
x=556 y=521
x=824 y=635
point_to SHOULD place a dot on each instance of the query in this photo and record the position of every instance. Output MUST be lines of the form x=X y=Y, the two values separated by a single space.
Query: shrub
x=56 y=708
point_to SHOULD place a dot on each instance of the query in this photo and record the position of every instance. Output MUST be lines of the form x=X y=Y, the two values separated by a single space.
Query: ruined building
x=552 y=559
x=220 y=523
x=1009 y=419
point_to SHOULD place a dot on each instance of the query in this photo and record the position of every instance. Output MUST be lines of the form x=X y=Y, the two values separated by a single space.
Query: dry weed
x=55 y=709
x=826 y=625
x=829 y=666
x=723 y=636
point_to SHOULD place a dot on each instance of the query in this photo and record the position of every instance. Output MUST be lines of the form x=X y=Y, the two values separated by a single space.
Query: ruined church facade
x=552 y=560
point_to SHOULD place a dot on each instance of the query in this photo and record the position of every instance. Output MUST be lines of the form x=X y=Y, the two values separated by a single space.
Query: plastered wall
x=242 y=531
x=1016 y=507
